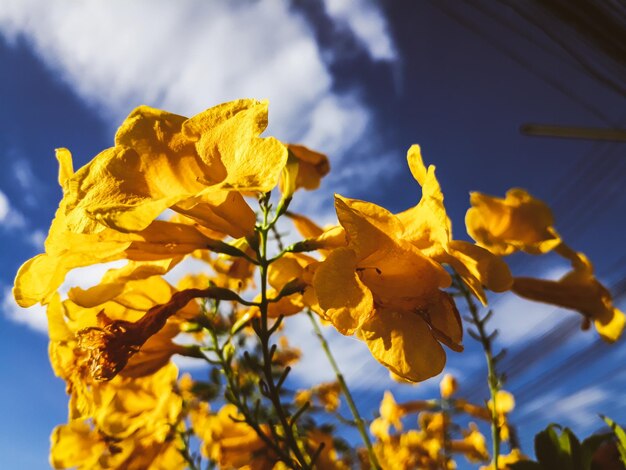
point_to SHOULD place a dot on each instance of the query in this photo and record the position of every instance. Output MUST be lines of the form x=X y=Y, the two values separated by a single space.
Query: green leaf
x=621 y=437
x=554 y=451
x=570 y=445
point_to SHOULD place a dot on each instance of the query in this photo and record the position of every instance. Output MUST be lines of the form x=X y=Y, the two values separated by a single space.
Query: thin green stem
x=346 y=391
x=492 y=377
x=272 y=390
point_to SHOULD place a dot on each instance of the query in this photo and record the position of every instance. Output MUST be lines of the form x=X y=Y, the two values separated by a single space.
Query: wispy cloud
x=10 y=217
x=579 y=409
x=366 y=21
x=188 y=55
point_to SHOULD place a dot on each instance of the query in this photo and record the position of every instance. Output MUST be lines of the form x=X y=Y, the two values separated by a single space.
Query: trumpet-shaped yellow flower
x=388 y=290
x=230 y=443
x=195 y=166
x=578 y=290
x=517 y=222
x=161 y=160
x=428 y=227
x=133 y=426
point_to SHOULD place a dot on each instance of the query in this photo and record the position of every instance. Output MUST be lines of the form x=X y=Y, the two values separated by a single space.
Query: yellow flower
x=504 y=460
x=304 y=169
x=161 y=160
x=388 y=290
x=132 y=426
x=196 y=167
x=578 y=290
x=505 y=403
x=390 y=415
x=448 y=386
x=230 y=443
x=428 y=227
x=517 y=222
x=473 y=445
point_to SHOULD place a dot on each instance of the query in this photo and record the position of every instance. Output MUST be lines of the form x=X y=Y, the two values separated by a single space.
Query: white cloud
x=579 y=409
x=33 y=317
x=188 y=55
x=367 y=23
x=360 y=370
x=10 y=217
x=37 y=239
x=4 y=206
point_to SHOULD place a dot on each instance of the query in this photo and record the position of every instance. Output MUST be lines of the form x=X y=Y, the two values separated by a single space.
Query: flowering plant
x=211 y=188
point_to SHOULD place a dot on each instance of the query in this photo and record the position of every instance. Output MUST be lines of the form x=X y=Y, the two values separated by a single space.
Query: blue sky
x=359 y=82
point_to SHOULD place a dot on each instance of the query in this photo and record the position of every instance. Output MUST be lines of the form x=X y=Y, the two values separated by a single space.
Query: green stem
x=264 y=333
x=492 y=377
x=346 y=391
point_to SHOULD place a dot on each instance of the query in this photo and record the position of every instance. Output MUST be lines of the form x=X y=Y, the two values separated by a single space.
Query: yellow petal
x=517 y=222
x=66 y=167
x=445 y=321
x=367 y=225
x=115 y=281
x=126 y=187
x=340 y=292
x=478 y=267
x=403 y=343
x=505 y=402
x=222 y=211
x=416 y=164
x=227 y=139
x=305 y=226
x=312 y=167
x=398 y=273
x=611 y=325
x=426 y=225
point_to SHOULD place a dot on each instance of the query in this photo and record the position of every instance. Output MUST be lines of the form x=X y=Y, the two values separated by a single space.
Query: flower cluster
x=174 y=188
